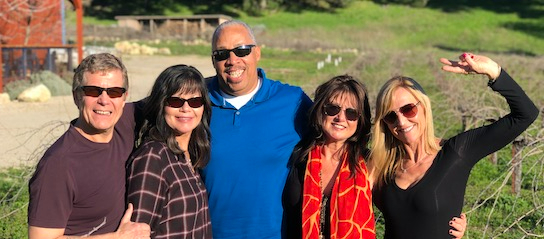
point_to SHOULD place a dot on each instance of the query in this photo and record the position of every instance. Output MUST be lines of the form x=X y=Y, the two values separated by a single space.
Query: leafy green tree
x=111 y=8
x=108 y=9
x=319 y=5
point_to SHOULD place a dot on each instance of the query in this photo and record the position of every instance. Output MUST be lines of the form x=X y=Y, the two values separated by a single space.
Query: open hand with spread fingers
x=472 y=64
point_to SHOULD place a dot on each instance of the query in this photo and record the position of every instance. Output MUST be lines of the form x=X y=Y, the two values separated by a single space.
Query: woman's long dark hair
x=356 y=145
x=173 y=79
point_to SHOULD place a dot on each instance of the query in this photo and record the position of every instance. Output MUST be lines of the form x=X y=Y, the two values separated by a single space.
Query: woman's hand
x=459 y=225
x=472 y=64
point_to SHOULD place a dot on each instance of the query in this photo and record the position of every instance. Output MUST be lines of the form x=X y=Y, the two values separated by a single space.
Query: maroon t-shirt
x=79 y=185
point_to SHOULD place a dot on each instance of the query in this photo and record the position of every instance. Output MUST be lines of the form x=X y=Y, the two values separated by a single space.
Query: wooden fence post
x=464 y=121
x=542 y=113
x=517 y=146
x=493 y=158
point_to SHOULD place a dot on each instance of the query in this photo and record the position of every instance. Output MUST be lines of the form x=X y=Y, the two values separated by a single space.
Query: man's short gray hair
x=222 y=26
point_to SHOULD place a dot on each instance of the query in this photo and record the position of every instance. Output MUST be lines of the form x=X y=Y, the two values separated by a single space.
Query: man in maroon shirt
x=78 y=188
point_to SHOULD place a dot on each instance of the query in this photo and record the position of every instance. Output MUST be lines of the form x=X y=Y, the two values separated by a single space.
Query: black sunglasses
x=409 y=111
x=176 y=102
x=240 y=51
x=95 y=91
x=332 y=110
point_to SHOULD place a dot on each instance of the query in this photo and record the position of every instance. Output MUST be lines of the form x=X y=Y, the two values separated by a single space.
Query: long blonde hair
x=387 y=151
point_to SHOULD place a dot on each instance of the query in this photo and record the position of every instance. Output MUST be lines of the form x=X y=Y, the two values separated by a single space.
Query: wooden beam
x=1 y=71
x=79 y=26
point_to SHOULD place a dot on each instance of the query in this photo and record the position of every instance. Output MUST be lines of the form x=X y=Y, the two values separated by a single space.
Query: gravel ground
x=27 y=129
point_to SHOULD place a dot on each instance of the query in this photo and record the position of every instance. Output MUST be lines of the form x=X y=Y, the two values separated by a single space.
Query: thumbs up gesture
x=132 y=230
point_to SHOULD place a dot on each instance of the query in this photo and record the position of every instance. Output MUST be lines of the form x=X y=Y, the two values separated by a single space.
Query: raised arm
x=481 y=141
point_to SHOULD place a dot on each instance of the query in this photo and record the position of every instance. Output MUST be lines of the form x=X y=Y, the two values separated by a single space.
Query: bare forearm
x=57 y=233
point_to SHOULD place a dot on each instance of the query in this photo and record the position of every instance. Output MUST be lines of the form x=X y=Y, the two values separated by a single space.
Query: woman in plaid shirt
x=163 y=182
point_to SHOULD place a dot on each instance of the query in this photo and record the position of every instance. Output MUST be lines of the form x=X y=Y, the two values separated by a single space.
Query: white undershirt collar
x=239 y=101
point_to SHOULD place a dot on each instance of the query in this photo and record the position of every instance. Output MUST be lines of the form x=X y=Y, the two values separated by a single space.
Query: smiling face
x=185 y=119
x=337 y=128
x=237 y=75
x=98 y=115
x=407 y=130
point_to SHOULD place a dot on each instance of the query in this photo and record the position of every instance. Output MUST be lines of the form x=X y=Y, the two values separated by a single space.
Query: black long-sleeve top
x=424 y=210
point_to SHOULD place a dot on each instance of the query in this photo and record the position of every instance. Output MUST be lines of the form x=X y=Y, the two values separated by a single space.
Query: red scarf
x=351 y=202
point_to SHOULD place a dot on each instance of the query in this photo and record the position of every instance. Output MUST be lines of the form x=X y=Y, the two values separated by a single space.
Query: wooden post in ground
x=517 y=146
x=542 y=113
x=493 y=158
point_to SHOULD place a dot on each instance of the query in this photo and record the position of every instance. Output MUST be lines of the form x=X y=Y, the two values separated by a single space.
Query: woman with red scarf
x=327 y=188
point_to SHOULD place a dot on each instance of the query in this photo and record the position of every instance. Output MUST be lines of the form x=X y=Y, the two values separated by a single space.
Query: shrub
x=54 y=83
x=15 y=88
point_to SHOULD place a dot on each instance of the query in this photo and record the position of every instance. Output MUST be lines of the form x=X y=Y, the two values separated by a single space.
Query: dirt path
x=27 y=129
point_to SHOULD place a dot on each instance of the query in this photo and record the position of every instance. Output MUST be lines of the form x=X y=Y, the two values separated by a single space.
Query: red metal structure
x=29 y=31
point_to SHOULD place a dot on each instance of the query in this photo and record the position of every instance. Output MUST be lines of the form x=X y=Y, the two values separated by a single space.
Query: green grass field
x=377 y=42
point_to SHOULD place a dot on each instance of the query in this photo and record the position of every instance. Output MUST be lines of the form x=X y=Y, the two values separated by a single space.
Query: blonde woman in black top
x=420 y=180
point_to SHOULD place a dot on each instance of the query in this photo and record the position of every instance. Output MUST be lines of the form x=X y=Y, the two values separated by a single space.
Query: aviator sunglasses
x=332 y=110
x=409 y=111
x=95 y=91
x=176 y=102
x=240 y=51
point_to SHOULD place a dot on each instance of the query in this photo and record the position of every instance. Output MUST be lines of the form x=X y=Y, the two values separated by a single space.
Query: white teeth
x=235 y=74
x=100 y=112
x=338 y=126
x=407 y=129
